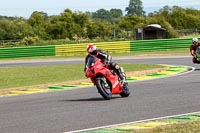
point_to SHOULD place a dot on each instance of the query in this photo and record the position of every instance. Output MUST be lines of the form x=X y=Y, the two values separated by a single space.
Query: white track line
x=134 y=122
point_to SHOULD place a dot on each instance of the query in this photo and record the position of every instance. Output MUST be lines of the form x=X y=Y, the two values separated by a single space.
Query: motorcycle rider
x=193 y=48
x=92 y=50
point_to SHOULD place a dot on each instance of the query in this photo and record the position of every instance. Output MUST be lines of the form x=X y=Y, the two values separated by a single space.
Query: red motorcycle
x=106 y=80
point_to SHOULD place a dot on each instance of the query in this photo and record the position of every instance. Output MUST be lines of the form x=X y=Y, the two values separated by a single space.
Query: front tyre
x=103 y=88
x=125 y=91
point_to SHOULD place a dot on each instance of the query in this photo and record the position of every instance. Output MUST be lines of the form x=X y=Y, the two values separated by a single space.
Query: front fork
x=105 y=82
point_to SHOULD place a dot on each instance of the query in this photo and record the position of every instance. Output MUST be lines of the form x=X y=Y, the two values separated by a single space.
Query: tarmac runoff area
x=172 y=71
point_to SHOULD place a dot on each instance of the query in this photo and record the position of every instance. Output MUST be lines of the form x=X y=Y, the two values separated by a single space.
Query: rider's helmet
x=91 y=49
x=194 y=41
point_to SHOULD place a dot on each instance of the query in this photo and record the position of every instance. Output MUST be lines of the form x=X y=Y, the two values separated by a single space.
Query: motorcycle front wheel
x=125 y=91
x=103 y=88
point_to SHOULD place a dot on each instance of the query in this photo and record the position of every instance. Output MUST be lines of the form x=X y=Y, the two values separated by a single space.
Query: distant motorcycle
x=107 y=81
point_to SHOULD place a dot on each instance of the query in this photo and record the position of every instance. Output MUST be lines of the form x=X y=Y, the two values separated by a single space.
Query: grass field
x=35 y=75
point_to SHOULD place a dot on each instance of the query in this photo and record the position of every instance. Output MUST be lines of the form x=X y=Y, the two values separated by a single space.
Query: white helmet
x=92 y=49
x=194 y=40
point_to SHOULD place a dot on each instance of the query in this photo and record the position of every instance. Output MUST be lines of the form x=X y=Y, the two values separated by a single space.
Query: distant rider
x=106 y=58
x=193 y=48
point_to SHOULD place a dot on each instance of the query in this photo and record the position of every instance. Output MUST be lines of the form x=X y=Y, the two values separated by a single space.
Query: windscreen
x=90 y=62
x=198 y=50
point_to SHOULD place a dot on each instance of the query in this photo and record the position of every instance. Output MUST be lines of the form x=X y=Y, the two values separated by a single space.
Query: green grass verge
x=34 y=75
x=181 y=127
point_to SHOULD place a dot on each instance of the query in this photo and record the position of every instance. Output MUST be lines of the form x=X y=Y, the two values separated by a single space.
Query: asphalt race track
x=70 y=110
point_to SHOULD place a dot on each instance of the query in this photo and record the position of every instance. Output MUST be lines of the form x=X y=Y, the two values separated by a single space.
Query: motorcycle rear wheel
x=103 y=89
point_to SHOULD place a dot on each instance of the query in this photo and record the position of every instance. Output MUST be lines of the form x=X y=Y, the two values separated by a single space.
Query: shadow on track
x=90 y=99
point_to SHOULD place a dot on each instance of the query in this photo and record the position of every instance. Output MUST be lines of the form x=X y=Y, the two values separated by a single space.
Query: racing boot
x=121 y=74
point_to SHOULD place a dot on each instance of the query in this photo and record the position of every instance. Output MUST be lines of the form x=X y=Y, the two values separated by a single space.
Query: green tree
x=115 y=15
x=67 y=23
x=104 y=29
x=101 y=14
x=4 y=28
x=181 y=18
x=132 y=22
x=37 y=18
x=54 y=27
x=92 y=29
x=135 y=7
x=80 y=21
x=17 y=28
x=38 y=21
x=22 y=28
x=99 y=29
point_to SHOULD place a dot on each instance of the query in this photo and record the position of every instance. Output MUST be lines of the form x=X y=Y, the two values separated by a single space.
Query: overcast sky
x=25 y=8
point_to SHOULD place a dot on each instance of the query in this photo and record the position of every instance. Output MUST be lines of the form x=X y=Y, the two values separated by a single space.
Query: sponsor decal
x=115 y=84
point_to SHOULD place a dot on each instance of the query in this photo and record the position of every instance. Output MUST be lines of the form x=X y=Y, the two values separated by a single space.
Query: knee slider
x=116 y=66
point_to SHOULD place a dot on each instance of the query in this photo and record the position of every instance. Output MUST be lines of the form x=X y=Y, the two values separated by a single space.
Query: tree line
x=102 y=24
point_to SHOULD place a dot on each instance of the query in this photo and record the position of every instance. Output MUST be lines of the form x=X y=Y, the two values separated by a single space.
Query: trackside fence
x=80 y=49
x=160 y=44
x=27 y=51
x=110 y=47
